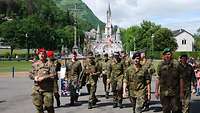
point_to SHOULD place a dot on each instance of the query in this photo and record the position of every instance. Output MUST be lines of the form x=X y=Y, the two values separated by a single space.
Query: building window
x=184 y=42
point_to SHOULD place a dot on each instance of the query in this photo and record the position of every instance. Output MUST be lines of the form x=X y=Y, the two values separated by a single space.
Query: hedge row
x=176 y=55
x=7 y=55
x=155 y=55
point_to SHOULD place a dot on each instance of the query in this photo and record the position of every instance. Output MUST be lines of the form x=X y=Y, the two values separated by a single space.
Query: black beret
x=136 y=54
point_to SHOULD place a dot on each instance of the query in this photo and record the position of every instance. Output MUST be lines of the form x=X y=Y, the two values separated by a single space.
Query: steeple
x=118 y=35
x=108 y=27
x=109 y=11
x=98 y=34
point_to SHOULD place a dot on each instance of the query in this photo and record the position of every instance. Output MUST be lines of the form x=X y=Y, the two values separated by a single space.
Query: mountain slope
x=85 y=13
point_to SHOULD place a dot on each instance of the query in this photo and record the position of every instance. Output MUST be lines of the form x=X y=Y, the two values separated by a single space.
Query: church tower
x=98 y=34
x=108 y=27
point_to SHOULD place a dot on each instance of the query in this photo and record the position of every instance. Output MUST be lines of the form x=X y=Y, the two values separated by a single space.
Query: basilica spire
x=108 y=27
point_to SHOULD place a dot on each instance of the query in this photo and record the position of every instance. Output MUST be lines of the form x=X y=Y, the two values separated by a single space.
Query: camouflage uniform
x=137 y=80
x=189 y=76
x=55 y=83
x=42 y=92
x=73 y=71
x=91 y=80
x=106 y=73
x=117 y=74
x=126 y=62
x=148 y=65
x=169 y=75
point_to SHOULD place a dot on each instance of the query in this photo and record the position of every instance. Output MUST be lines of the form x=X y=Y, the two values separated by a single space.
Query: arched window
x=183 y=42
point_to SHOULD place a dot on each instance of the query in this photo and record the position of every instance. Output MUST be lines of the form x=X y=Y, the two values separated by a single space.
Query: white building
x=107 y=42
x=184 y=39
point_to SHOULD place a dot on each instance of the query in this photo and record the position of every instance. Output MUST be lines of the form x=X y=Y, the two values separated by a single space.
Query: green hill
x=85 y=13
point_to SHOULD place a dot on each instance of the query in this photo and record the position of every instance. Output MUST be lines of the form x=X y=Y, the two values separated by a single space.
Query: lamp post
x=27 y=46
x=134 y=43
x=152 y=44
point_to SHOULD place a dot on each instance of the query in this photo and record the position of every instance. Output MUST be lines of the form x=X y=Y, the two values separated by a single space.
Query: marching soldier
x=43 y=75
x=148 y=65
x=98 y=62
x=53 y=61
x=72 y=75
x=91 y=79
x=189 y=77
x=106 y=72
x=125 y=60
x=136 y=79
x=170 y=83
x=117 y=74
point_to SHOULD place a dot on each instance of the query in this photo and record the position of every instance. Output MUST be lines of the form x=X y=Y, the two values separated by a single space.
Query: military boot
x=76 y=98
x=146 y=106
x=71 y=101
x=50 y=109
x=114 y=104
x=58 y=102
x=89 y=105
x=120 y=104
x=57 y=96
x=107 y=95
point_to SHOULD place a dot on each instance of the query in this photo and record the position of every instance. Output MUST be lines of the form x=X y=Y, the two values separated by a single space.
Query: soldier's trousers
x=41 y=99
x=186 y=102
x=56 y=91
x=92 y=86
x=137 y=103
x=106 y=84
x=92 y=96
x=117 y=90
x=171 y=104
x=73 y=94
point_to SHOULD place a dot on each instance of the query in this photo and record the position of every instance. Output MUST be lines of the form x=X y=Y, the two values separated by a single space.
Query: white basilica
x=107 y=42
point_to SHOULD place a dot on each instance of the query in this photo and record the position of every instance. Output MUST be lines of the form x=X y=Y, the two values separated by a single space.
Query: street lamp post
x=152 y=44
x=134 y=43
x=27 y=46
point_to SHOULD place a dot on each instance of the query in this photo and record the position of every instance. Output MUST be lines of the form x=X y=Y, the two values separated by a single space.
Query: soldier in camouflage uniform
x=136 y=79
x=43 y=75
x=53 y=61
x=90 y=71
x=148 y=65
x=106 y=72
x=117 y=74
x=189 y=77
x=72 y=75
x=125 y=60
x=170 y=82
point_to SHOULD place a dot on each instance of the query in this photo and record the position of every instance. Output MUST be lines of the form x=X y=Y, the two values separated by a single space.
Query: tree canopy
x=39 y=23
x=148 y=36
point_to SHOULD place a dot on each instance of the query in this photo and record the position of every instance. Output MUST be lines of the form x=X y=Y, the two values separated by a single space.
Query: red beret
x=41 y=50
x=50 y=54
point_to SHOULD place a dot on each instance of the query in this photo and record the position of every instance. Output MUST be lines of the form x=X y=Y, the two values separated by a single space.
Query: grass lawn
x=6 y=66
x=21 y=66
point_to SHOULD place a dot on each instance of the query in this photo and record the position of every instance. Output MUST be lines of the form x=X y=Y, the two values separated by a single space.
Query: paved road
x=15 y=98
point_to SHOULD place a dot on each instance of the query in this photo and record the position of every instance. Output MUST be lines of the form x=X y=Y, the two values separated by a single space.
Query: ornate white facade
x=107 y=42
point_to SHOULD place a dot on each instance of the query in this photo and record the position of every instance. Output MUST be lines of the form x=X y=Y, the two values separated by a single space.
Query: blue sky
x=173 y=14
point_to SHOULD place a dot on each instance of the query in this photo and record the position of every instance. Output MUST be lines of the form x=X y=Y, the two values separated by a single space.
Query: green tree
x=143 y=34
x=164 y=38
x=197 y=40
x=8 y=30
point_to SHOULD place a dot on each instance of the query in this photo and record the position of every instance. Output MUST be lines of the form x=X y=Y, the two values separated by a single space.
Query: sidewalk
x=16 y=74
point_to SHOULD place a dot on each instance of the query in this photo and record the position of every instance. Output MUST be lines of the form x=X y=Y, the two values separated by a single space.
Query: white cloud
x=169 y=13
